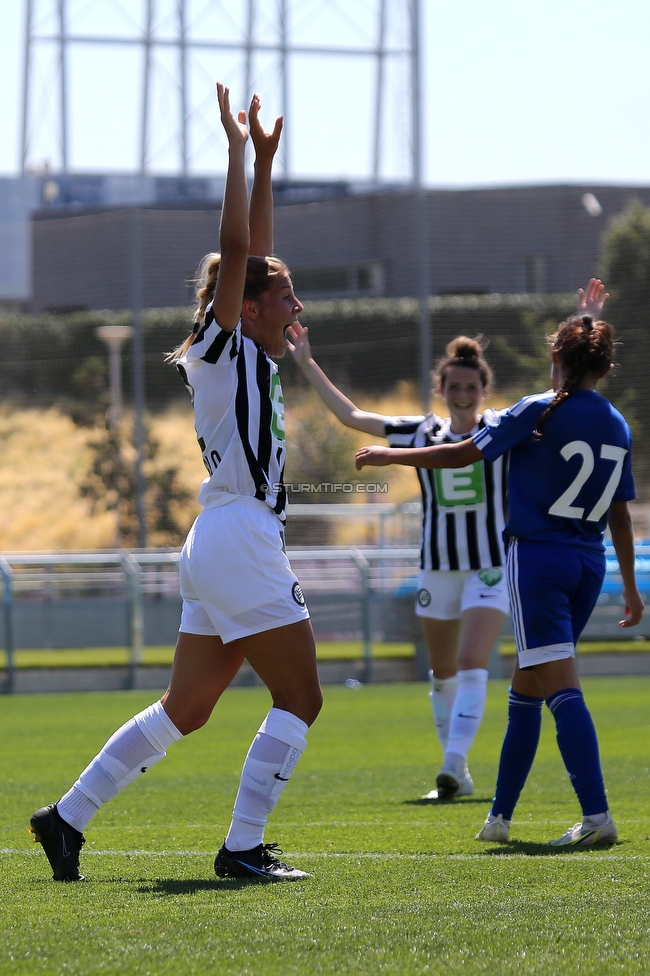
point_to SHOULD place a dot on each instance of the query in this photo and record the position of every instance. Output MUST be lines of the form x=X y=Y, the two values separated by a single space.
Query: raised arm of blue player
x=443 y=456
x=592 y=300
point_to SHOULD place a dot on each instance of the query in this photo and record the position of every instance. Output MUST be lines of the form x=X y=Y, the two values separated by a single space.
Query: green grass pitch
x=399 y=885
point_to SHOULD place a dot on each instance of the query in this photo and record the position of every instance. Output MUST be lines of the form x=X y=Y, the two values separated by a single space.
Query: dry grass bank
x=45 y=458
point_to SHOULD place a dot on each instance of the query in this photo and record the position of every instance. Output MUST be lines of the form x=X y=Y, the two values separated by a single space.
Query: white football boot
x=494 y=829
x=454 y=780
x=588 y=834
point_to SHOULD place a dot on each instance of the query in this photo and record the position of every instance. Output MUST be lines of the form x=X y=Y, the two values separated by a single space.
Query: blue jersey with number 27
x=560 y=486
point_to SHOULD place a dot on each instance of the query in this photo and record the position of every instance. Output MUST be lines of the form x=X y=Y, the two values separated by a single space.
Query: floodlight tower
x=183 y=45
x=177 y=41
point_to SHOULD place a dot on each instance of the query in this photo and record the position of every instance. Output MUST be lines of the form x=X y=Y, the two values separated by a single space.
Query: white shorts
x=446 y=594
x=235 y=577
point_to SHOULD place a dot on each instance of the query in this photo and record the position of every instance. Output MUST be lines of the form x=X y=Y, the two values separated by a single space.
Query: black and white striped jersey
x=238 y=416
x=463 y=509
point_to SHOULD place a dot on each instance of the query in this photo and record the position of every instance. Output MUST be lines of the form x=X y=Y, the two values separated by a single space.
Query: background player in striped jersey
x=240 y=597
x=462 y=594
x=570 y=475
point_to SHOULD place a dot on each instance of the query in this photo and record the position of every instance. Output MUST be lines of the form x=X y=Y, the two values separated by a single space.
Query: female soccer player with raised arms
x=570 y=475
x=462 y=596
x=240 y=597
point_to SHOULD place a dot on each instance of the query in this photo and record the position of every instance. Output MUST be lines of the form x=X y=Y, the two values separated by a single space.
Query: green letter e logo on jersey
x=277 y=401
x=460 y=486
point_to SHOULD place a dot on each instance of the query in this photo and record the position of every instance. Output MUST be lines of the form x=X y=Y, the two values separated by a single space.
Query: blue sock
x=578 y=743
x=518 y=751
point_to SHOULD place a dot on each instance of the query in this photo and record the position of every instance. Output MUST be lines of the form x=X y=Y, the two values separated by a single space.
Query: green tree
x=625 y=269
x=110 y=485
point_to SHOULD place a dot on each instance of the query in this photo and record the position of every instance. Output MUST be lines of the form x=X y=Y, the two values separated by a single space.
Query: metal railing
x=368 y=577
x=7 y=602
x=133 y=576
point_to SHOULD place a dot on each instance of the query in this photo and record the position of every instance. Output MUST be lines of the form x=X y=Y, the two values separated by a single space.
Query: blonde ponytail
x=206 y=283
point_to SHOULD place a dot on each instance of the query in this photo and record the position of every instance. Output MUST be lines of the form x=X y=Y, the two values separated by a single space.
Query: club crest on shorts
x=491 y=576
x=297 y=594
x=424 y=597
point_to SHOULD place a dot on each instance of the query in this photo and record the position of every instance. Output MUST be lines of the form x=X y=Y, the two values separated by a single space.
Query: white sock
x=442 y=695
x=271 y=759
x=597 y=819
x=129 y=753
x=467 y=713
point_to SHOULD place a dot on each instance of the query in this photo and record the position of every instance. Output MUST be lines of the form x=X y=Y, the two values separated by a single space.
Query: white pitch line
x=312 y=824
x=364 y=855
x=298 y=825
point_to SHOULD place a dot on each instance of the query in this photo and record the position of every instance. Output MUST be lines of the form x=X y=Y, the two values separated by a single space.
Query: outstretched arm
x=261 y=203
x=342 y=408
x=592 y=301
x=620 y=525
x=444 y=456
x=233 y=231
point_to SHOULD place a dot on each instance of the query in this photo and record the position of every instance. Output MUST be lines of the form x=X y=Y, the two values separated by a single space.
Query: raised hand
x=235 y=127
x=234 y=233
x=592 y=301
x=266 y=143
x=298 y=342
x=375 y=456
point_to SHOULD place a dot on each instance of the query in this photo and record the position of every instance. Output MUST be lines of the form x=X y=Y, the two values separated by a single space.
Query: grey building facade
x=514 y=240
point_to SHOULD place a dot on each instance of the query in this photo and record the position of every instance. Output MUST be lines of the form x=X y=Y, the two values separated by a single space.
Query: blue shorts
x=553 y=590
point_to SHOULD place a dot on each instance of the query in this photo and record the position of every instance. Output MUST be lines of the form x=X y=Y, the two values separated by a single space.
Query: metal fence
x=131 y=598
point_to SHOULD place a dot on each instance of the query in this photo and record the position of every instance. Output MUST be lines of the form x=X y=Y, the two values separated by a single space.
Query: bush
x=625 y=269
x=368 y=344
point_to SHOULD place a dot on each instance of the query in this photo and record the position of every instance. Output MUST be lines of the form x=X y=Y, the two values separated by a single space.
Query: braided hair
x=464 y=352
x=585 y=347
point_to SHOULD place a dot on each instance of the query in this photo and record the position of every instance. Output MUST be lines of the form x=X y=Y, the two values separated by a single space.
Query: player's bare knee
x=306 y=706
x=443 y=673
x=316 y=705
x=187 y=717
x=196 y=719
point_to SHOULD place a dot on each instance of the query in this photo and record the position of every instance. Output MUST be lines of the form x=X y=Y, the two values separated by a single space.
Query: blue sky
x=515 y=92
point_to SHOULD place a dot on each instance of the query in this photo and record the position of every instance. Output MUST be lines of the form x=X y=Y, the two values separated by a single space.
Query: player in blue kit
x=569 y=477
